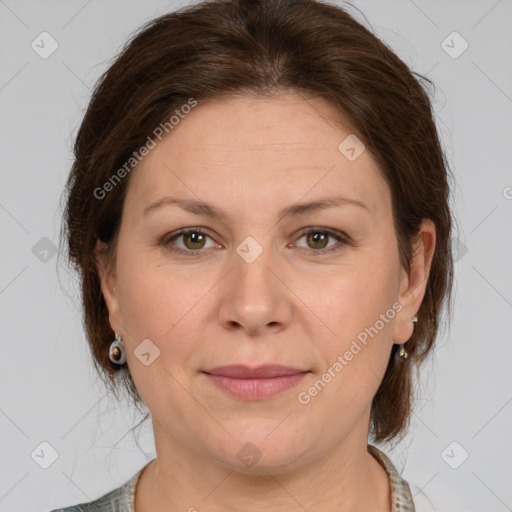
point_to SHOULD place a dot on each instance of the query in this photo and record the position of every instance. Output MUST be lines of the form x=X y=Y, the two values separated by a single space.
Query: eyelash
x=311 y=252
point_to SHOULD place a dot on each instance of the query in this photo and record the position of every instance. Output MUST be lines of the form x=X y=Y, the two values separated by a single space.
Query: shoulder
x=117 y=500
x=110 y=502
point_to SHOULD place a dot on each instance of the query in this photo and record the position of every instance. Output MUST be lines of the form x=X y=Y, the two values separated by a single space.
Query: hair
x=219 y=48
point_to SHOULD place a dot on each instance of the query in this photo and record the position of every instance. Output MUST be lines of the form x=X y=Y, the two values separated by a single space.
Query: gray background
x=48 y=389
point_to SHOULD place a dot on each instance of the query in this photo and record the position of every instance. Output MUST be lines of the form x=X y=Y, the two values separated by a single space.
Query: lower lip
x=256 y=389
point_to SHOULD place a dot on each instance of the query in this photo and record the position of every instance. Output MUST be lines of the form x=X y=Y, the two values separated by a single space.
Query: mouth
x=255 y=383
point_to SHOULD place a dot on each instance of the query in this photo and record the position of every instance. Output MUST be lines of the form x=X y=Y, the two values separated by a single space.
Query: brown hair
x=222 y=47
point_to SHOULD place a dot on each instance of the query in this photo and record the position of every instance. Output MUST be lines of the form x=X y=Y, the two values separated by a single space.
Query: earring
x=116 y=352
x=402 y=353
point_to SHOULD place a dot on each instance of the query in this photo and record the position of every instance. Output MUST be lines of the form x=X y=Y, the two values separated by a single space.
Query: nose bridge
x=252 y=261
x=255 y=298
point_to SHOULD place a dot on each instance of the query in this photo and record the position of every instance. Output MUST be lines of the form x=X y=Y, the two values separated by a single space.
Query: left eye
x=318 y=239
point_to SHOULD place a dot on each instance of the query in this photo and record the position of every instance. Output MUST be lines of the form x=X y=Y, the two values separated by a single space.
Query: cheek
x=355 y=354
x=160 y=304
x=154 y=307
x=359 y=307
x=153 y=298
x=355 y=298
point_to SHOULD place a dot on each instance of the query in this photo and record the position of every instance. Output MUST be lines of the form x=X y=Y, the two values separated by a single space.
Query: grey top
x=122 y=499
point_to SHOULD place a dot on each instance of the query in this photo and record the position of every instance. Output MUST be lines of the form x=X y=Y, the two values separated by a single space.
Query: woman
x=258 y=208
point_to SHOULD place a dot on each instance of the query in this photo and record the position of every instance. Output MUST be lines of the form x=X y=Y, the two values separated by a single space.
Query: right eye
x=193 y=240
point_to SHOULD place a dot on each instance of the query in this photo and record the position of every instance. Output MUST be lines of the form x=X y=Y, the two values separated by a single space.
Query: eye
x=194 y=240
x=317 y=238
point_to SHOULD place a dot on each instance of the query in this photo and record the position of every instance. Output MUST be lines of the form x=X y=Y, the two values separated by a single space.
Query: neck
x=346 y=479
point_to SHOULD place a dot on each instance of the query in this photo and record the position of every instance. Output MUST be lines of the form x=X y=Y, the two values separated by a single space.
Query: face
x=265 y=281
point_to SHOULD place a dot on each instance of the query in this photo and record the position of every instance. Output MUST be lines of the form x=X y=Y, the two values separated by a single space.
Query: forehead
x=281 y=145
x=282 y=121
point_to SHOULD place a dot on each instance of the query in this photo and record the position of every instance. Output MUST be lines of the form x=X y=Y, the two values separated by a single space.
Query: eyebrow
x=294 y=210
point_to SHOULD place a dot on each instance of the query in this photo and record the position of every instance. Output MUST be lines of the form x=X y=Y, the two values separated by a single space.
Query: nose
x=255 y=298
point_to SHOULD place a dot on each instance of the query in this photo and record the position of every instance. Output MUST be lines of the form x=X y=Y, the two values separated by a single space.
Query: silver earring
x=402 y=353
x=116 y=352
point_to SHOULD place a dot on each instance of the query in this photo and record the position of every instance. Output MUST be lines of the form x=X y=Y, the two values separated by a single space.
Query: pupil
x=195 y=237
x=318 y=237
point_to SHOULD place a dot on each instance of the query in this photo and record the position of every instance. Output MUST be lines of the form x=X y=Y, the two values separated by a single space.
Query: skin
x=252 y=156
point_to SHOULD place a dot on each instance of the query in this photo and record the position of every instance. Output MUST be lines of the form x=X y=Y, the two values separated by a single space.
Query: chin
x=262 y=447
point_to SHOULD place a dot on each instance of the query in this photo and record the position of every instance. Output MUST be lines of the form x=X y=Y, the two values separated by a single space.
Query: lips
x=258 y=383
x=260 y=372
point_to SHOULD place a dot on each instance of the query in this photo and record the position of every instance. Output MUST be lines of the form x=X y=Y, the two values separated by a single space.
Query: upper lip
x=259 y=372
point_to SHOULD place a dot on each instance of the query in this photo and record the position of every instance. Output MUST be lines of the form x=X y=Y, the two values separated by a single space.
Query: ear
x=414 y=283
x=108 y=281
